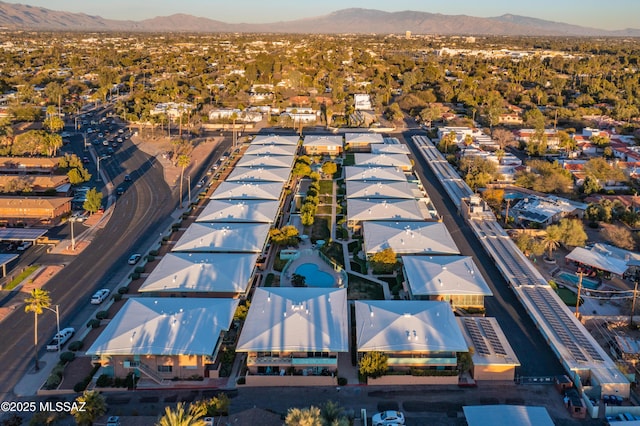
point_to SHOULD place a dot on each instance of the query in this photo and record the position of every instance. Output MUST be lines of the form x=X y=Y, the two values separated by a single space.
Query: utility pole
x=578 y=301
x=633 y=301
x=506 y=215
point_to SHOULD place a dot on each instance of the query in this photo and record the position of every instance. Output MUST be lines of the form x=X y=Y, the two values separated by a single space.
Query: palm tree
x=303 y=417
x=183 y=161
x=499 y=155
x=94 y=407
x=37 y=302
x=181 y=417
x=551 y=240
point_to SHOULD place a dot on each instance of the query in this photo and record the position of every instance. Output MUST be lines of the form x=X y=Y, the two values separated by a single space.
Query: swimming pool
x=314 y=277
x=573 y=279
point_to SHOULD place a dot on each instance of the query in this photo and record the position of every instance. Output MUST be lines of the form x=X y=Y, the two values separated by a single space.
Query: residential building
x=408 y=238
x=293 y=336
x=248 y=191
x=545 y=211
x=322 y=144
x=266 y=161
x=361 y=142
x=276 y=140
x=401 y=161
x=374 y=174
x=230 y=210
x=163 y=338
x=216 y=237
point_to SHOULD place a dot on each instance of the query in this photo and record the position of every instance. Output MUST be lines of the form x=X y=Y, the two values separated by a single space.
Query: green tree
x=329 y=168
x=373 y=364
x=285 y=236
x=384 y=261
x=94 y=407
x=619 y=236
x=572 y=232
x=301 y=169
x=54 y=123
x=216 y=406
x=551 y=240
x=308 y=214
x=37 y=302
x=93 y=203
x=303 y=417
x=192 y=416
x=241 y=313
x=298 y=280
x=591 y=185
x=183 y=162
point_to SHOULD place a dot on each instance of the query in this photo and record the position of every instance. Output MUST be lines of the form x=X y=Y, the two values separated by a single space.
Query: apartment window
x=165 y=368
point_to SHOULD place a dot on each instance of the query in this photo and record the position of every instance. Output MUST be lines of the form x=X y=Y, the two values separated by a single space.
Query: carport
x=4 y=260
x=21 y=234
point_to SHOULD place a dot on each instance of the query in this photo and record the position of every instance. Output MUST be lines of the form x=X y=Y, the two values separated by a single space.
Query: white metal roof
x=368 y=173
x=444 y=275
x=520 y=415
x=389 y=148
x=383 y=160
x=239 y=211
x=221 y=237
x=283 y=319
x=368 y=137
x=202 y=272
x=408 y=238
x=166 y=326
x=322 y=140
x=259 y=174
x=407 y=326
x=276 y=140
x=270 y=149
x=375 y=209
x=598 y=260
x=380 y=189
x=266 y=161
x=248 y=191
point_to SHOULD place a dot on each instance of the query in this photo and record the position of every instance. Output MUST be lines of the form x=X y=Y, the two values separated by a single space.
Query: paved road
x=139 y=212
x=534 y=353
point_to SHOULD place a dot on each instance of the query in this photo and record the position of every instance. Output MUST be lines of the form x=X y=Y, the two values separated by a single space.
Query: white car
x=135 y=258
x=99 y=296
x=61 y=338
x=387 y=418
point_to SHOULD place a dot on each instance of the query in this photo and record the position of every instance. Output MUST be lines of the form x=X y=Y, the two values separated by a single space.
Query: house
x=397 y=210
x=172 y=109
x=216 y=237
x=374 y=174
x=545 y=211
x=323 y=144
x=421 y=339
x=362 y=102
x=201 y=274
x=493 y=357
x=33 y=210
x=408 y=238
x=301 y=115
x=361 y=142
x=292 y=336
x=382 y=190
x=248 y=191
x=163 y=338
x=389 y=148
x=266 y=161
x=454 y=279
x=271 y=149
x=276 y=140
x=401 y=161
x=230 y=210
x=510 y=119
x=260 y=174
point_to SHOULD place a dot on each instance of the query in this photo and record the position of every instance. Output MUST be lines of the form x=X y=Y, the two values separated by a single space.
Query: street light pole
x=189 y=189
x=57 y=322
x=73 y=240
x=100 y=158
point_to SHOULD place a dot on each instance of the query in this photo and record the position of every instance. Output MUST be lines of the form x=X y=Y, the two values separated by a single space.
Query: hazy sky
x=604 y=14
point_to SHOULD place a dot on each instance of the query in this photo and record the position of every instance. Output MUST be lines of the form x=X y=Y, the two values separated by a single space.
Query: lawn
x=568 y=297
x=21 y=277
x=323 y=210
x=363 y=289
x=349 y=160
x=320 y=229
x=334 y=251
x=326 y=187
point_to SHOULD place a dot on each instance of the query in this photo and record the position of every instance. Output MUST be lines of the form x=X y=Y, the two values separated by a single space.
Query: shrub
x=82 y=385
x=150 y=258
x=241 y=380
x=93 y=323
x=134 y=275
x=104 y=381
x=117 y=297
x=154 y=252
x=139 y=269
x=102 y=315
x=123 y=290
x=53 y=381
x=66 y=357
x=342 y=381
x=76 y=345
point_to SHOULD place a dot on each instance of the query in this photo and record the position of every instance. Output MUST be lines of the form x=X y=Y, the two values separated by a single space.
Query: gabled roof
x=276 y=140
x=248 y=191
x=407 y=325
x=368 y=173
x=271 y=149
x=389 y=148
x=223 y=238
x=408 y=238
x=322 y=140
x=259 y=174
x=380 y=189
x=201 y=272
x=239 y=211
x=283 y=319
x=166 y=326
x=360 y=138
x=26 y=203
x=397 y=210
x=444 y=275
x=598 y=260
x=383 y=160
x=266 y=161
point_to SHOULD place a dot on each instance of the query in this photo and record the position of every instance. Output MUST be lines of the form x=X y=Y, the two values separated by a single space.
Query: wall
x=290 y=381
x=494 y=372
x=413 y=380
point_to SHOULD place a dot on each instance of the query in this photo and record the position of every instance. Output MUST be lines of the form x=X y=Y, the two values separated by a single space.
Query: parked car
x=127 y=178
x=61 y=338
x=120 y=190
x=25 y=245
x=100 y=296
x=387 y=418
x=113 y=421
x=135 y=258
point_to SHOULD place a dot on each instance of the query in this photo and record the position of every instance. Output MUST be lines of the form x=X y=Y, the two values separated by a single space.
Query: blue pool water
x=573 y=279
x=314 y=277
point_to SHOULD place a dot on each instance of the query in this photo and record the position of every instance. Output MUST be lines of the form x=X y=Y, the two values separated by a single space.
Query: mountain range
x=362 y=21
